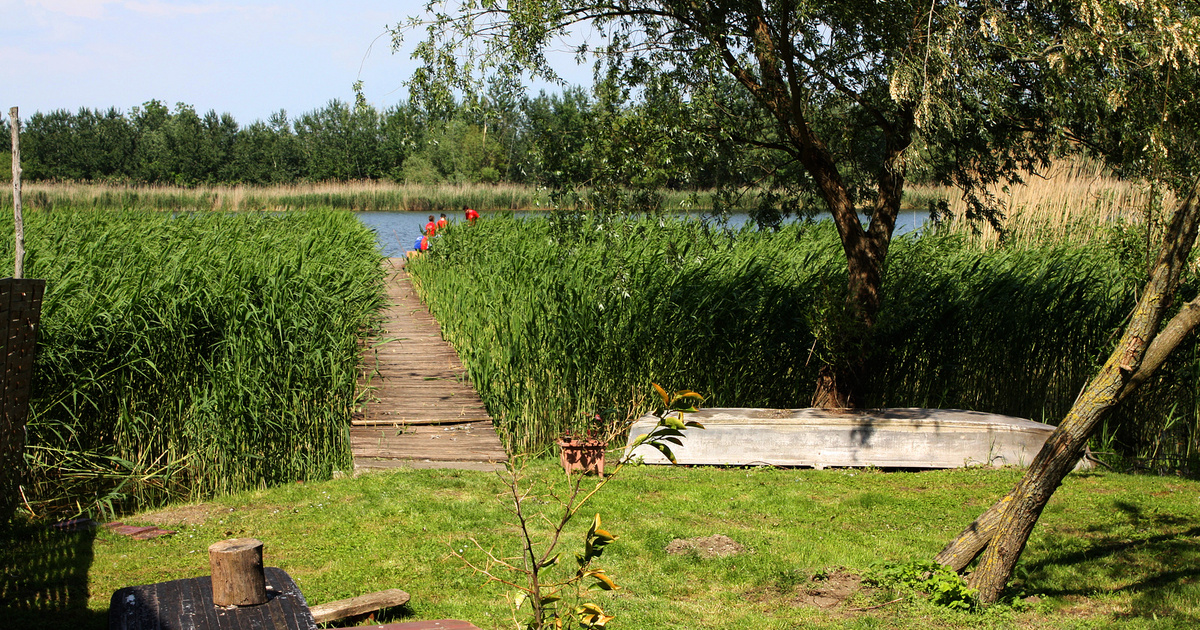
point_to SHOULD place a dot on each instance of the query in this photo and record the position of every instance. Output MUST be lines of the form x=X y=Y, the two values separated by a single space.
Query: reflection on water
x=397 y=231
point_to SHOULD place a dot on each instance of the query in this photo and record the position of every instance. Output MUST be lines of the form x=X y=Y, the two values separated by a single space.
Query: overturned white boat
x=820 y=438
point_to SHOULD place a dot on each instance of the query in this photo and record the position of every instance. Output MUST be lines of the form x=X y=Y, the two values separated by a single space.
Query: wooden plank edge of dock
x=368 y=465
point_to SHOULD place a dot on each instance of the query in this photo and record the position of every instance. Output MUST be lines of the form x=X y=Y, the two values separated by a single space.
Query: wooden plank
x=426 y=409
x=367 y=464
x=468 y=447
x=437 y=624
x=411 y=379
x=394 y=420
x=361 y=605
x=484 y=425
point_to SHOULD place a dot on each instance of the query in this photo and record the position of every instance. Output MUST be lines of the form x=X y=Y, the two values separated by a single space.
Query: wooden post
x=237 y=572
x=18 y=221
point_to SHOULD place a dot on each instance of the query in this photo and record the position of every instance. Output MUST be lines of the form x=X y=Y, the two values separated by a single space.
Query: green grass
x=181 y=356
x=1111 y=550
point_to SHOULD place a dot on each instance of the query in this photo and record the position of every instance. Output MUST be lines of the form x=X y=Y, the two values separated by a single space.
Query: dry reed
x=1075 y=200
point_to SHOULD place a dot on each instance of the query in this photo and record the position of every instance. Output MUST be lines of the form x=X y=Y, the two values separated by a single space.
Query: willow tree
x=848 y=95
x=1124 y=75
x=858 y=93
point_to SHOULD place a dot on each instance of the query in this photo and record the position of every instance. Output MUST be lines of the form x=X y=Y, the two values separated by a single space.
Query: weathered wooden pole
x=237 y=572
x=18 y=223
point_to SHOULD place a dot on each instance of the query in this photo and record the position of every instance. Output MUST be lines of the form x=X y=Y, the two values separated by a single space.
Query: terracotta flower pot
x=585 y=456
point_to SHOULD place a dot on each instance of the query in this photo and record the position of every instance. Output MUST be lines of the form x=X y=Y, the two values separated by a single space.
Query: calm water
x=396 y=231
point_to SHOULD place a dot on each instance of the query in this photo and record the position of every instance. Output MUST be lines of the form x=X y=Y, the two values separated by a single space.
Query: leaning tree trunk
x=1004 y=529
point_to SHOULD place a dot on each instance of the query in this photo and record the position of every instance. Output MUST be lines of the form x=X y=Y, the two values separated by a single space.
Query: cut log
x=237 y=572
x=360 y=605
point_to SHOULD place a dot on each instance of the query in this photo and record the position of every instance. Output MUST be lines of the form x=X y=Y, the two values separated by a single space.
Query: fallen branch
x=360 y=605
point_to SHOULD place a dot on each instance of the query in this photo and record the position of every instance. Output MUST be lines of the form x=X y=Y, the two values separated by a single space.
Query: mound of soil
x=718 y=546
x=832 y=590
x=835 y=588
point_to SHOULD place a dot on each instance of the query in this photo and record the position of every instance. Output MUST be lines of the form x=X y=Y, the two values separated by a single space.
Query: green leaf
x=662 y=393
x=602 y=538
x=665 y=451
x=603 y=582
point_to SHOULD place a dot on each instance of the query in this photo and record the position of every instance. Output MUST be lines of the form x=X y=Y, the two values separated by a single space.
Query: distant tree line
x=561 y=140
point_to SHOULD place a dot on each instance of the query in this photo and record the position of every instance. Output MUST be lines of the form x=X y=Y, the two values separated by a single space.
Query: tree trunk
x=777 y=84
x=1004 y=529
x=843 y=384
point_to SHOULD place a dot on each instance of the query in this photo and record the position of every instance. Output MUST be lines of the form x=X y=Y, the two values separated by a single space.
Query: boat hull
x=882 y=438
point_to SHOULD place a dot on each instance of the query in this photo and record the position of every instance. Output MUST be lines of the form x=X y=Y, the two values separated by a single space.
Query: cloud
x=91 y=9
x=97 y=9
x=170 y=9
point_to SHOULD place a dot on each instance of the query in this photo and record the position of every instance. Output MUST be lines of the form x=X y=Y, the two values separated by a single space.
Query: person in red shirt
x=431 y=227
x=443 y=222
x=471 y=215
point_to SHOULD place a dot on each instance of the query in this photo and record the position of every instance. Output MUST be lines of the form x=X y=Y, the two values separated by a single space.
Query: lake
x=396 y=231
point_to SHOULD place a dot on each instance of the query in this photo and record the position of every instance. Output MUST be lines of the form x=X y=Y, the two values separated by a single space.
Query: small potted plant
x=584 y=452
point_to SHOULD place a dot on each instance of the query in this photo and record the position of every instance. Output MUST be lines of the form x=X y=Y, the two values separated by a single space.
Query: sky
x=249 y=58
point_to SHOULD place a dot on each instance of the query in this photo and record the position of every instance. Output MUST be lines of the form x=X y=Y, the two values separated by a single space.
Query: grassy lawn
x=1110 y=551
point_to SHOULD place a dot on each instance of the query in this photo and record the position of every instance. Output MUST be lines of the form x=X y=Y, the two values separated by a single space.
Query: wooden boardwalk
x=421 y=410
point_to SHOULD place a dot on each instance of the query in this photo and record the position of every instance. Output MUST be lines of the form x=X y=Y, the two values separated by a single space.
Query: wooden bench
x=243 y=595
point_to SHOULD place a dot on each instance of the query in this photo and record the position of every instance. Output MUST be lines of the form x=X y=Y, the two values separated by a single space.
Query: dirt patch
x=829 y=590
x=453 y=494
x=181 y=516
x=717 y=546
x=835 y=591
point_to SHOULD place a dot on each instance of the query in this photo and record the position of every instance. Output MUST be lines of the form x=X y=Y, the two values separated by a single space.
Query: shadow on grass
x=1160 y=572
x=44 y=577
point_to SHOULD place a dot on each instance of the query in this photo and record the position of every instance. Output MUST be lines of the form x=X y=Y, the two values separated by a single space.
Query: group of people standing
x=434 y=225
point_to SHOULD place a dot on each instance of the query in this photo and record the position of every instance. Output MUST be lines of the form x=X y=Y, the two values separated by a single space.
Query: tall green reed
x=556 y=321
x=193 y=354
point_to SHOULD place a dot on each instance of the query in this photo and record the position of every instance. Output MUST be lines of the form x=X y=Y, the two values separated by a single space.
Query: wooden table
x=188 y=605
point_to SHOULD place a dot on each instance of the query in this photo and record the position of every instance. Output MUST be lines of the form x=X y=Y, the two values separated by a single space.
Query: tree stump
x=237 y=572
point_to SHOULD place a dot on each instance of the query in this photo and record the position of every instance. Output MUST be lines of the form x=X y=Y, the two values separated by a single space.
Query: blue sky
x=246 y=57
